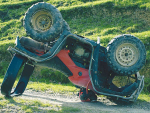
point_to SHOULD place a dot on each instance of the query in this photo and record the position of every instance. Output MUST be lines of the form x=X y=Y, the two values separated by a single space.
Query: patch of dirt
x=102 y=105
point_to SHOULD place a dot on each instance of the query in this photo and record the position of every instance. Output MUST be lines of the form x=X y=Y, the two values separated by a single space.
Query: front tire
x=43 y=22
x=126 y=55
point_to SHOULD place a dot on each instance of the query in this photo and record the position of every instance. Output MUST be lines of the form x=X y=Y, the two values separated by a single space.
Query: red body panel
x=79 y=80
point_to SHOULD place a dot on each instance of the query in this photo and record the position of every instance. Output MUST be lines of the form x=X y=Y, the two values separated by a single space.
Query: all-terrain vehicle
x=91 y=67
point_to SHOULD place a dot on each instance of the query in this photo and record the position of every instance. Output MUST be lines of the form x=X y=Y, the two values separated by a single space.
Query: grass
x=48 y=86
x=51 y=87
x=144 y=97
x=18 y=104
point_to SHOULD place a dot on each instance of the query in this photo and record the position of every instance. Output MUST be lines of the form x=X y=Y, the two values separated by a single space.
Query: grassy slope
x=104 y=18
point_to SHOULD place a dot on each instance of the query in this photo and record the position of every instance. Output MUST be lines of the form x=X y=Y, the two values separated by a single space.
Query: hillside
x=89 y=18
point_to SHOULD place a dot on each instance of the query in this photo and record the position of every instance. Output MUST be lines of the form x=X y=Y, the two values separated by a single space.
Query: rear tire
x=43 y=22
x=126 y=55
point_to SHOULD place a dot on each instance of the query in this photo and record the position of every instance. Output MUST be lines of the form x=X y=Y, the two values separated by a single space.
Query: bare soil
x=103 y=105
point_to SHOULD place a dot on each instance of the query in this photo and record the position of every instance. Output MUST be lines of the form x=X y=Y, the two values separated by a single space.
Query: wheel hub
x=41 y=21
x=127 y=54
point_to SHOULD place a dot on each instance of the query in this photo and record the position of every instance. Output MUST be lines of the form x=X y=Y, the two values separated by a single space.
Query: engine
x=80 y=52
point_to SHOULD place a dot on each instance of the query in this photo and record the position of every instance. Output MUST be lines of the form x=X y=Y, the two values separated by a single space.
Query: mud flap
x=11 y=75
x=24 y=79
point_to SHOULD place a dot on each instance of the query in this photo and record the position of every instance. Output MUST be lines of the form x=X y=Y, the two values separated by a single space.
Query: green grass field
x=89 y=18
x=21 y=105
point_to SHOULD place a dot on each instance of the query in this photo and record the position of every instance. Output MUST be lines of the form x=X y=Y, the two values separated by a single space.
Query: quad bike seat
x=26 y=46
x=34 y=46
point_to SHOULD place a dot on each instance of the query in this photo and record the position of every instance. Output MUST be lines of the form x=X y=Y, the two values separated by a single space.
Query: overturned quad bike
x=94 y=69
